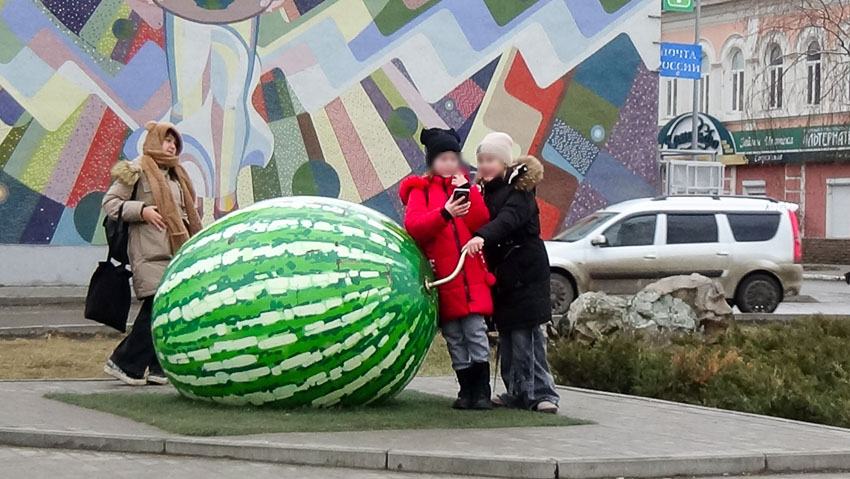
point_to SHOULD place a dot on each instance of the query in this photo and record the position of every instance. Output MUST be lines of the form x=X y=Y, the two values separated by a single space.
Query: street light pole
x=695 y=134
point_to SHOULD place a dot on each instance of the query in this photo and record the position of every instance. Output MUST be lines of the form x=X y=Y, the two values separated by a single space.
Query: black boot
x=464 y=396
x=481 y=391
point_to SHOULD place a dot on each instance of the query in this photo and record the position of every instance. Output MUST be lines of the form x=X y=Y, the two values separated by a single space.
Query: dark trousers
x=524 y=370
x=135 y=353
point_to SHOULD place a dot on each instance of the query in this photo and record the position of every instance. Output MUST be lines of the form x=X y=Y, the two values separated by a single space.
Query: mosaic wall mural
x=284 y=97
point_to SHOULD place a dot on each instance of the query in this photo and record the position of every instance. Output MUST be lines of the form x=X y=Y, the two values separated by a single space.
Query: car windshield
x=584 y=227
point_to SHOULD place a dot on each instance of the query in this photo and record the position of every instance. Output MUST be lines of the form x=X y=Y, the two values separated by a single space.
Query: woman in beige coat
x=154 y=195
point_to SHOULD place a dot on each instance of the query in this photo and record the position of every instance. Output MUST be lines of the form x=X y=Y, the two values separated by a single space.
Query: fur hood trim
x=526 y=173
x=127 y=172
x=409 y=184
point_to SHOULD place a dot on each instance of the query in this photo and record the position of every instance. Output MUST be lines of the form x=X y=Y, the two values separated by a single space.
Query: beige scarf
x=153 y=159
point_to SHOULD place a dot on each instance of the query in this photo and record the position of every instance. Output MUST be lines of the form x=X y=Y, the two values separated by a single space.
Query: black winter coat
x=513 y=248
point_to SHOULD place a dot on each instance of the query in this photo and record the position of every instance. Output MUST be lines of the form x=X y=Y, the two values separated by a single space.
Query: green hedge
x=797 y=370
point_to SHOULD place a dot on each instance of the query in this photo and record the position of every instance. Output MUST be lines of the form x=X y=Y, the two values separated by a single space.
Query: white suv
x=751 y=245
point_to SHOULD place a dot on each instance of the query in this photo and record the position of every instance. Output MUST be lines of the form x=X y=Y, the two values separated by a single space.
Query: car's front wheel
x=758 y=293
x=562 y=294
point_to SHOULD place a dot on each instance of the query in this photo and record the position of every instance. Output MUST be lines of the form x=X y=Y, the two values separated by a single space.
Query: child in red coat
x=441 y=226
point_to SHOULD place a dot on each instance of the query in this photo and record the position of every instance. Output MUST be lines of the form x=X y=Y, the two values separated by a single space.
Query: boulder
x=677 y=303
x=651 y=309
x=665 y=302
x=593 y=315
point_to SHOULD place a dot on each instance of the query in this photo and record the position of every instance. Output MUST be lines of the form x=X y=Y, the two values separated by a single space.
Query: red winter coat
x=441 y=240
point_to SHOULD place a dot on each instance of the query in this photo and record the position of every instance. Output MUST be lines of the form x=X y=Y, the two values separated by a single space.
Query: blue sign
x=681 y=60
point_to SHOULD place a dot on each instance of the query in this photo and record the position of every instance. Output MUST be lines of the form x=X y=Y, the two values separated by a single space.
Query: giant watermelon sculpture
x=296 y=301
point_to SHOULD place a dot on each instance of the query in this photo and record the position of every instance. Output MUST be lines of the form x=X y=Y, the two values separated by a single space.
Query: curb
x=823 y=277
x=802 y=462
x=492 y=466
x=409 y=461
x=69 y=329
x=357 y=458
x=767 y=318
x=42 y=300
x=662 y=466
x=85 y=441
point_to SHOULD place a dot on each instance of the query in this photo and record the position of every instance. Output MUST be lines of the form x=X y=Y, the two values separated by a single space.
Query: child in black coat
x=516 y=254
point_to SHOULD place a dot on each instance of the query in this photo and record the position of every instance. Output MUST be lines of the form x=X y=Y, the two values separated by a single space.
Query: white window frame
x=672 y=97
x=814 y=74
x=737 y=81
x=775 y=78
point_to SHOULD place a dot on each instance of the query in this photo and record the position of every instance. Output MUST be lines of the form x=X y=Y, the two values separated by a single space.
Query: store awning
x=712 y=135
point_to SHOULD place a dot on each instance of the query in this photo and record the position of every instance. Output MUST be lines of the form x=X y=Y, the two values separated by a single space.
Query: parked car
x=751 y=245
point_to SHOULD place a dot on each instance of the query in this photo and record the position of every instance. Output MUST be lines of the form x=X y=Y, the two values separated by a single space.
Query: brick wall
x=826 y=251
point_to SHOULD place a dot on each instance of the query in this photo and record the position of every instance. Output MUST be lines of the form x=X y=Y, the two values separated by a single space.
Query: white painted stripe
x=278 y=341
x=233 y=345
x=234 y=362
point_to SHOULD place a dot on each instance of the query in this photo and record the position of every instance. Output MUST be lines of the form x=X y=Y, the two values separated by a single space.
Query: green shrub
x=798 y=370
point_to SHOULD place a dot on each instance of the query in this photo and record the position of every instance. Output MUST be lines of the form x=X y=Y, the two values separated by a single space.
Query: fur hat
x=437 y=141
x=156 y=135
x=498 y=144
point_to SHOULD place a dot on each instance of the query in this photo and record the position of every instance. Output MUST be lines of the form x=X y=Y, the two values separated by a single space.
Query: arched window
x=775 y=75
x=737 y=68
x=705 y=85
x=813 y=73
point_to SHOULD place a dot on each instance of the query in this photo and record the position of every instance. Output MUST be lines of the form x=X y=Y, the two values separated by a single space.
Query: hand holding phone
x=457 y=207
x=461 y=194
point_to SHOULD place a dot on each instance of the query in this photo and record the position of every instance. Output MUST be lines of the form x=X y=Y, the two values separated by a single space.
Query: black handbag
x=108 y=298
x=118 y=233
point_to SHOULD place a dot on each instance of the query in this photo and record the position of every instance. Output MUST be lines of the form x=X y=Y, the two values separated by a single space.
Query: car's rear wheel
x=758 y=293
x=563 y=294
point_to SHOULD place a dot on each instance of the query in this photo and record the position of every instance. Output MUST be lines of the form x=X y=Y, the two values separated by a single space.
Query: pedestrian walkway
x=629 y=437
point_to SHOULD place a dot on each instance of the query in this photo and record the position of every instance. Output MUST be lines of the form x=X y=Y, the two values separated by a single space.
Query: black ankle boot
x=481 y=392
x=466 y=380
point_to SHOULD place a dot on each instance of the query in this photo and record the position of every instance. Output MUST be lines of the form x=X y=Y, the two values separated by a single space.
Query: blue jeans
x=467 y=341
x=524 y=370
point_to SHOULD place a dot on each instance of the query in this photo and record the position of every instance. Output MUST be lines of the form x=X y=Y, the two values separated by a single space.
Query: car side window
x=691 y=228
x=634 y=231
x=753 y=227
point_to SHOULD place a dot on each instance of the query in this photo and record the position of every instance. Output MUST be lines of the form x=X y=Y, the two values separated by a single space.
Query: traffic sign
x=679 y=5
x=681 y=60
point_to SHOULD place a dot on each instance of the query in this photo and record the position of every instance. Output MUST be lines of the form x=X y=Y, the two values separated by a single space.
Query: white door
x=838 y=208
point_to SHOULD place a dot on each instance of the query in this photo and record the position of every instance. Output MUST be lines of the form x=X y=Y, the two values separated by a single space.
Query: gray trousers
x=467 y=341
x=524 y=369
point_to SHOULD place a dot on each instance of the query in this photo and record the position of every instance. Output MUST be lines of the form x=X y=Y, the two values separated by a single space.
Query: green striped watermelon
x=296 y=301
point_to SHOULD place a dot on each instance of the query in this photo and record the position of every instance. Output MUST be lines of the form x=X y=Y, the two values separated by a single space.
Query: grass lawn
x=409 y=410
x=76 y=357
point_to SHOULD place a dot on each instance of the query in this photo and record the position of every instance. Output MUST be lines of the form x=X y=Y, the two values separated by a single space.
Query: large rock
x=593 y=315
x=677 y=303
x=683 y=302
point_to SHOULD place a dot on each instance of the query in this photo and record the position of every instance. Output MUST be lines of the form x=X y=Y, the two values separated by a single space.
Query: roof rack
x=717 y=197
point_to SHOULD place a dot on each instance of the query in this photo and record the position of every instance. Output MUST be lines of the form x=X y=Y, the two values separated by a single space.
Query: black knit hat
x=437 y=141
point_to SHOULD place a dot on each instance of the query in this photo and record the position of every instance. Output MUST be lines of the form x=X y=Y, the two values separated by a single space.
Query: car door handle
x=650 y=256
x=722 y=253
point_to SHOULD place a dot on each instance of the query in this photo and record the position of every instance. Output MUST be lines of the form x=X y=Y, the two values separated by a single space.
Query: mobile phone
x=461 y=193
